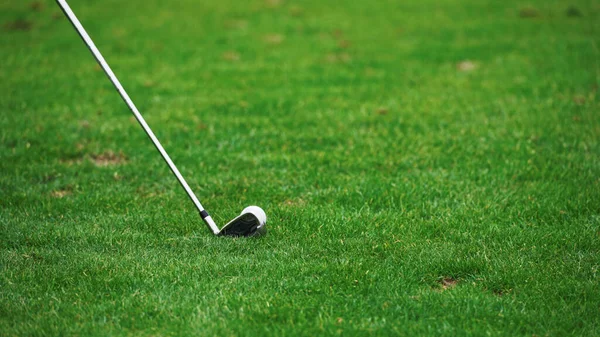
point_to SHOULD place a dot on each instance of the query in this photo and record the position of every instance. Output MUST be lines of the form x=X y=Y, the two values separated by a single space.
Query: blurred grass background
x=427 y=167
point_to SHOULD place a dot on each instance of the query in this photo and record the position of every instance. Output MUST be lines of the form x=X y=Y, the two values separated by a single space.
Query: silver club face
x=251 y=222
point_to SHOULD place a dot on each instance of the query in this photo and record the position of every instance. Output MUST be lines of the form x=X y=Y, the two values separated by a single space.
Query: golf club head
x=251 y=222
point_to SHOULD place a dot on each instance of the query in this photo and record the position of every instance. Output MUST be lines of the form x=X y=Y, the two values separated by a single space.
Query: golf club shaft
x=92 y=47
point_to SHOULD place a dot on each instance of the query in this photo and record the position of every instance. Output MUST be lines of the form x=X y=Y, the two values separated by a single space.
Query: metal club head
x=251 y=222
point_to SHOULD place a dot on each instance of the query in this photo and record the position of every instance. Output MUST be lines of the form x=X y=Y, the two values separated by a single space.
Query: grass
x=427 y=167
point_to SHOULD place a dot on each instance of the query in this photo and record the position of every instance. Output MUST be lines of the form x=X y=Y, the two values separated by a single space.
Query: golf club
x=252 y=220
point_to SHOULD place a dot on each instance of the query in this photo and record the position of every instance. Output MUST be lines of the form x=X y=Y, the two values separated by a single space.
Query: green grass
x=427 y=168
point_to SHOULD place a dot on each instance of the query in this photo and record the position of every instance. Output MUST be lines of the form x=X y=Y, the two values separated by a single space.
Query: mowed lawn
x=427 y=168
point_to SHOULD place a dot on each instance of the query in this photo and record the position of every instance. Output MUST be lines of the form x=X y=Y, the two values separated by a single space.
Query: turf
x=427 y=168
